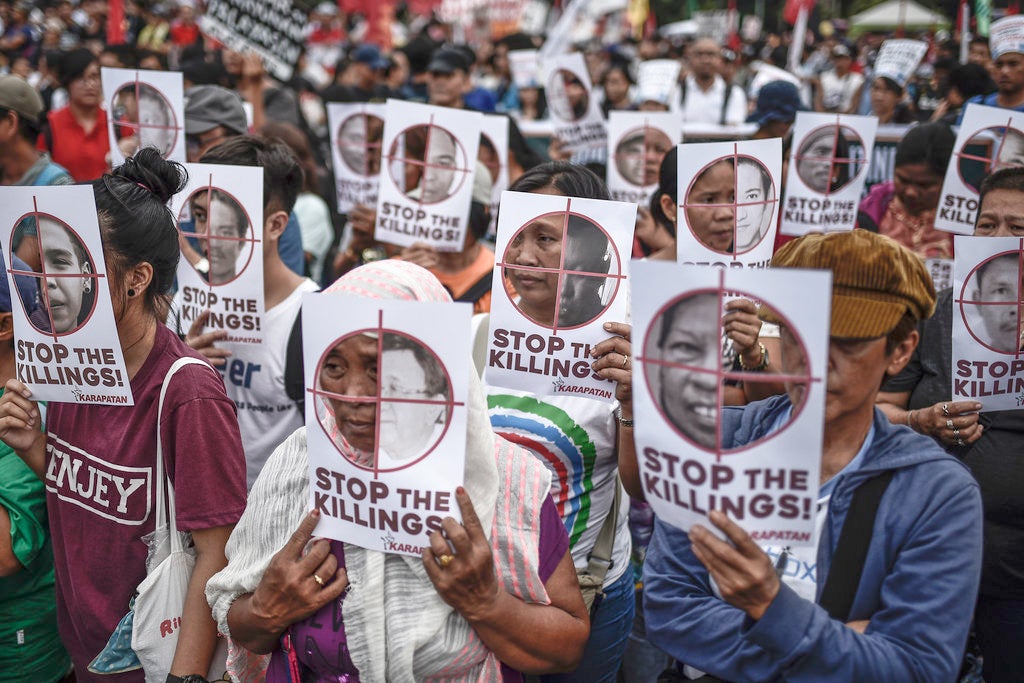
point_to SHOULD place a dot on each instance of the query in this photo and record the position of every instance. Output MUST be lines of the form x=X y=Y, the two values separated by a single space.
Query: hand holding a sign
x=294 y=586
x=743 y=572
x=423 y=255
x=952 y=422
x=19 y=425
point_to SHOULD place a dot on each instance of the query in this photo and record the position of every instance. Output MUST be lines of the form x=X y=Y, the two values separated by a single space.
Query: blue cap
x=370 y=55
x=26 y=287
x=777 y=101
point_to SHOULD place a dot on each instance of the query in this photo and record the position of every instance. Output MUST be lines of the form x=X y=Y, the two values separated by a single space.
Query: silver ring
x=945 y=410
x=960 y=442
x=949 y=424
x=625 y=361
x=319 y=581
x=956 y=433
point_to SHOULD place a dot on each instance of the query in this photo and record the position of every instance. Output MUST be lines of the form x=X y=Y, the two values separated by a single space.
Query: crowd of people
x=552 y=499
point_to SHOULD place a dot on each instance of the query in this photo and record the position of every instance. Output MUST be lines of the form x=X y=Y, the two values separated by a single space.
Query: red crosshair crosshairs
x=770 y=200
x=972 y=280
x=141 y=89
x=368 y=150
x=208 y=239
x=991 y=162
x=652 y=365
x=614 y=274
x=379 y=398
x=651 y=135
x=460 y=169
x=835 y=162
x=43 y=276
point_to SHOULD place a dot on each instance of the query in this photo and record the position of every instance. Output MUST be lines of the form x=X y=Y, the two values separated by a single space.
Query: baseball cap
x=17 y=95
x=209 y=106
x=370 y=55
x=776 y=101
x=447 y=60
x=26 y=287
x=875 y=280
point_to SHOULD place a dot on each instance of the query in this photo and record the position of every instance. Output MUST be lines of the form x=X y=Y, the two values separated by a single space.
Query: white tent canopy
x=890 y=14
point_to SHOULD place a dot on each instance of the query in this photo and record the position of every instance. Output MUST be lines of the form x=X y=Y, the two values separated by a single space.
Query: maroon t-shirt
x=100 y=486
x=320 y=644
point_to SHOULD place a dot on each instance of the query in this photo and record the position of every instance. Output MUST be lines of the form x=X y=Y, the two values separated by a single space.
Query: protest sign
x=386 y=416
x=637 y=143
x=829 y=162
x=989 y=139
x=988 y=288
x=1007 y=35
x=220 y=218
x=525 y=68
x=728 y=202
x=688 y=462
x=574 y=111
x=146 y=110
x=275 y=30
x=715 y=24
x=658 y=81
x=493 y=154
x=566 y=261
x=429 y=156
x=66 y=346
x=356 y=134
x=941 y=270
x=898 y=59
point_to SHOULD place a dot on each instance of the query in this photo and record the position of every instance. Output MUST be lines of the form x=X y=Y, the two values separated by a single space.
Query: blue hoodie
x=918 y=588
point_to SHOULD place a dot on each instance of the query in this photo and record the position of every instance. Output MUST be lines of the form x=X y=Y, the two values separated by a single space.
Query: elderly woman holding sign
x=490 y=598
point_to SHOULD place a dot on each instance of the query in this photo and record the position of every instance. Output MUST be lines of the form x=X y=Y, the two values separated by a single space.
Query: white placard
x=427 y=175
x=688 y=463
x=1007 y=35
x=990 y=138
x=525 y=68
x=357 y=131
x=941 y=270
x=566 y=260
x=574 y=110
x=898 y=59
x=988 y=364
x=67 y=349
x=637 y=143
x=144 y=109
x=828 y=165
x=728 y=202
x=386 y=416
x=493 y=154
x=658 y=81
x=220 y=217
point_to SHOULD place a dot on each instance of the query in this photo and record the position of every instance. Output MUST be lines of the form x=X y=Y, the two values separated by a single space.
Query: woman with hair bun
x=99 y=462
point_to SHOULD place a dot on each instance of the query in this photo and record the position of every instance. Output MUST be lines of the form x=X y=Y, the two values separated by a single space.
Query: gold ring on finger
x=445 y=560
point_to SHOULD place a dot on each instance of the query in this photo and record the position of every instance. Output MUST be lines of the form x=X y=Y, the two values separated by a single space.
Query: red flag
x=792 y=9
x=115 y=22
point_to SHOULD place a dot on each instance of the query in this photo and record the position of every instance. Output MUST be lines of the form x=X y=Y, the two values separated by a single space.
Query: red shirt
x=83 y=154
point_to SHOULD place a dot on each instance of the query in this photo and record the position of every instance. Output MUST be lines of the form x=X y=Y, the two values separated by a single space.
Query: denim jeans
x=642 y=662
x=999 y=627
x=609 y=628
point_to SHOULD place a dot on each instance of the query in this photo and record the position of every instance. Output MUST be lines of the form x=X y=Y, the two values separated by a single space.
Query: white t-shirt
x=837 y=93
x=314 y=219
x=706 y=107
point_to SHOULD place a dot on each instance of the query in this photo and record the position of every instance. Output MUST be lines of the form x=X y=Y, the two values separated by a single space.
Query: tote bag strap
x=165 y=500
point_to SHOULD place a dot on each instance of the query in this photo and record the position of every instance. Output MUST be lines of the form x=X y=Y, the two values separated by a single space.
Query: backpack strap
x=294 y=368
x=479 y=288
x=725 y=102
x=848 y=560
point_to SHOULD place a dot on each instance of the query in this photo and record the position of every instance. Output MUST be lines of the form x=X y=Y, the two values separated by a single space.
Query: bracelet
x=910 y=414
x=760 y=366
x=622 y=421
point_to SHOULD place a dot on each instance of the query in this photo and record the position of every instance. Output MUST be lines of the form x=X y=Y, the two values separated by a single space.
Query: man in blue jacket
x=727 y=609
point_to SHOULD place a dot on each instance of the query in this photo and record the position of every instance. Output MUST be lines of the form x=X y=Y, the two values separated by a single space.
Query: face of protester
x=86 y=90
x=406 y=428
x=918 y=187
x=883 y=100
x=350 y=370
x=750 y=216
x=1001 y=214
x=218 y=219
x=1011 y=150
x=1010 y=74
x=815 y=163
x=704 y=56
x=447 y=89
x=1001 y=283
x=538 y=245
x=64 y=294
x=710 y=210
x=616 y=86
x=440 y=169
x=689 y=394
x=978 y=54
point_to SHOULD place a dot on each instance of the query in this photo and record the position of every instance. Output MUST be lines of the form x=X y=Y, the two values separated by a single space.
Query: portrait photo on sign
x=67 y=284
x=688 y=362
x=428 y=163
x=384 y=398
x=994 y=303
x=987 y=151
x=824 y=162
x=558 y=265
x=358 y=143
x=638 y=155
x=567 y=95
x=216 y=222
x=145 y=109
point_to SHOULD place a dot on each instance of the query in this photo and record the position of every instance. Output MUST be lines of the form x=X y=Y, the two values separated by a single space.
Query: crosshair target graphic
x=638 y=155
x=359 y=143
x=991 y=302
x=140 y=110
x=218 y=227
x=567 y=96
x=824 y=162
x=67 y=284
x=687 y=363
x=987 y=150
x=564 y=268
x=729 y=204
x=428 y=163
x=383 y=397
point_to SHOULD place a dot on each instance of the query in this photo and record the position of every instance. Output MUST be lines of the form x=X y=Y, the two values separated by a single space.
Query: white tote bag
x=161 y=595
